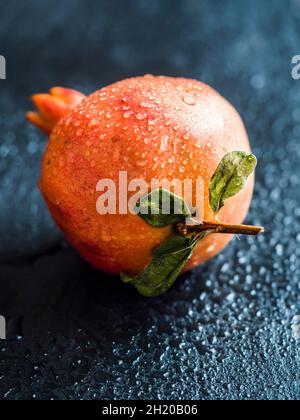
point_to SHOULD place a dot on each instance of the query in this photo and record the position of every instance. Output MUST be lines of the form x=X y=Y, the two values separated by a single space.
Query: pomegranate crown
x=53 y=106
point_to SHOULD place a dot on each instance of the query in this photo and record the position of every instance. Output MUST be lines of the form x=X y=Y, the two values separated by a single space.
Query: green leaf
x=162 y=208
x=173 y=245
x=169 y=259
x=230 y=178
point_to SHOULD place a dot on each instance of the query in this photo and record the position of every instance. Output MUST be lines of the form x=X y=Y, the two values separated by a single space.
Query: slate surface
x=224 y=331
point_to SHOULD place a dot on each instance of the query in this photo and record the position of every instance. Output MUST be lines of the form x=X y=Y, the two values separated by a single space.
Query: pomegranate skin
x=151 y=127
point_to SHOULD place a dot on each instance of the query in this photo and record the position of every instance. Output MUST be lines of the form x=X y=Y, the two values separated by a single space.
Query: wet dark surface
x=224 y=331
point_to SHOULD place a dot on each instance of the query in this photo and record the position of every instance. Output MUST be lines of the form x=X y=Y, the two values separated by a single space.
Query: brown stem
x=219 y=227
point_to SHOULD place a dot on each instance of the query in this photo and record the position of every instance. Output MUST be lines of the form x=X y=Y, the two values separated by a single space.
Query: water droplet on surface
x=279 y=250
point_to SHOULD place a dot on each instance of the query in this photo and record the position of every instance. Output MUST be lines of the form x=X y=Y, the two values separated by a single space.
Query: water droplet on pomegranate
x=189 y=100
x=211 y=248
x=141 y=163
x=146 y=105
x=164 y=144
x=140 y=116
x=93 y=123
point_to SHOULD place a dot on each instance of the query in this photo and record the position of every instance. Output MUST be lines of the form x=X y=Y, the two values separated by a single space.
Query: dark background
x=224 y=331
